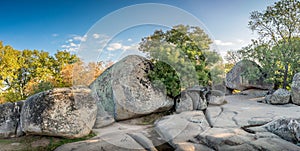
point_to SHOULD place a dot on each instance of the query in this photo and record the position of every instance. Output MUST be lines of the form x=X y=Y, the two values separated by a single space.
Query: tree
x=278 y=28
x=26 y=72
x=179 y=57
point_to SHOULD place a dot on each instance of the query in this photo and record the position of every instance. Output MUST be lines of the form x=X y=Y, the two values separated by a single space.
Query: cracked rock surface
x=241 y=124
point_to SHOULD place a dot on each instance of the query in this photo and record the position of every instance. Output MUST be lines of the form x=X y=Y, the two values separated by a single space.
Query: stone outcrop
x=288 y=129
x=65 y=112
x=10 y=119
x=236 y=78
x=181 y=127
x=192 y=99
x=240 y=124
x=222 y=88
x=280 y=96
x=296 y=89
x=216 y=98
x=125 y=92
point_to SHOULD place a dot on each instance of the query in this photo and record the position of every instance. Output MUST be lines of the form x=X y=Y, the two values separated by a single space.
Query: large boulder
x=280 y=96
x=10 y=119
x=125 y=92
x=237 y=77
x=296 y=89
x=65 y=112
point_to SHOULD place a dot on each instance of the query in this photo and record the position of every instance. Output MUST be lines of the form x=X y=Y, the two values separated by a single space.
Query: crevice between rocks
x=207 y=118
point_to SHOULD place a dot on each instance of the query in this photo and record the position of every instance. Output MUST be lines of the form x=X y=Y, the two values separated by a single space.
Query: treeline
x=277 y=49
x=27 y=72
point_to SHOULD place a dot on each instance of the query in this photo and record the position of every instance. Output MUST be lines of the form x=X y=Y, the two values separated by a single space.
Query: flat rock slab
x=245 y=110
x=236 y=126
x=181 y=127
x=118 y=136
x=229 y=139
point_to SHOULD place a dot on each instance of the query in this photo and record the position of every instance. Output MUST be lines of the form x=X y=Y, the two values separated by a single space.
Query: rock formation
x=236 y=78
x=296 y=89
x=192 y=99
x=280 y=96
x=65 y=112
x=125 y=92
x=10 y=119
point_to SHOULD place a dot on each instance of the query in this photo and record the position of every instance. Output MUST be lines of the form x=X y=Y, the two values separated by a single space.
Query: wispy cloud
x=114 y=46
x=96 y=36
x=55 y=35
x=120 y=46
x=129 y=39
x=223 y=43
x=73 y=43
x=80 y=38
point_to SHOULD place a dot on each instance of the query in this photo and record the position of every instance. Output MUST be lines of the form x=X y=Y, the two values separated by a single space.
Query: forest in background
x=24 y=73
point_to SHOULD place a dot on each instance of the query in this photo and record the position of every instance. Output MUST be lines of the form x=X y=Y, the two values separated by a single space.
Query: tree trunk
x=285 y=82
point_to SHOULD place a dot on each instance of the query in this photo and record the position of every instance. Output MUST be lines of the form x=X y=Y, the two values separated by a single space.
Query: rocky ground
x=240 y=124
x=237 y=125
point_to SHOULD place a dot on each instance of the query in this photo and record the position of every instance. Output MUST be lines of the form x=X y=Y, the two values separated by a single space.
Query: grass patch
x=54 y=144
x=39 y=143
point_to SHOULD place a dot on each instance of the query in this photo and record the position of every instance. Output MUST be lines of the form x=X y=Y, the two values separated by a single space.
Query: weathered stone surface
x=236 y=79
x=296 y=89
x=236 y=126
x=236 y=139
x=216 y=98
x=192 y=99
x=184 y=103
x=254 y=92
x=280 y=96
x=118 y=136
x=288 y=129
x=65 y=112
x=181 y=127
x=143 y=141
x=117 y=142
x=10 y=119
x=222 y=88
x=103 y=118
x=186 y=146
x=244 y=110
x=125 y=92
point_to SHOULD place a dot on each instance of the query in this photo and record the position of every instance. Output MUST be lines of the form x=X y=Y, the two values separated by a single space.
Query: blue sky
x=52 y=25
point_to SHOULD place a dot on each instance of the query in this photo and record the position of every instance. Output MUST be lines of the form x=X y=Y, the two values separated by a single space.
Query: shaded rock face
x=125 y=92
x=296 y=89
x=288 y=129
x=222 y=88
x=280 y=96
x=192 y=99
x=235 y=78
x=10 y=119
x=216 y=98
x=65 y=112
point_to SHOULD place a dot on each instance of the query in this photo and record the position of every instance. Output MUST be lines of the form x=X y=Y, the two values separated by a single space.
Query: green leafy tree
x=179 y=57
x=277 y=48
x=26 y=72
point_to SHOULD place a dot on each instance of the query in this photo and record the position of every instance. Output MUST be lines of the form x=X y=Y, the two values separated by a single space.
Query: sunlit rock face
x=125 y=92
x=66 y=112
